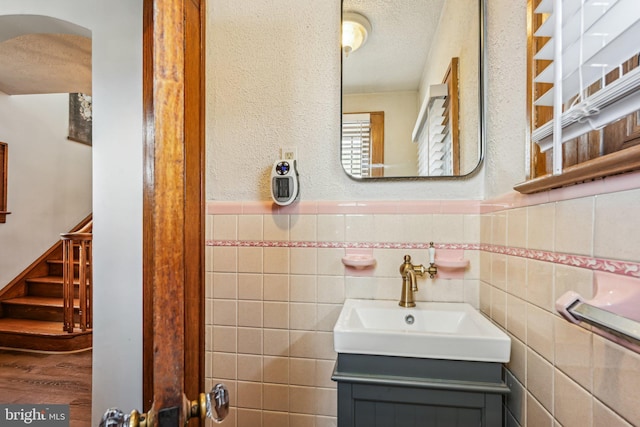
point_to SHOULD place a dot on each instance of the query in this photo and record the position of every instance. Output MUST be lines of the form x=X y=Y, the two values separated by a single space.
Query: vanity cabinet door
x=391 y=391
x=388 y=406
x=388 y=414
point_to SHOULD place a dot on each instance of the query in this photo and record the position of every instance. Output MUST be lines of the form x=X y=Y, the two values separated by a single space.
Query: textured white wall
x=400 y=113
x=506 y=48
x=117 y=190
x=49 y=178
x=273 y=81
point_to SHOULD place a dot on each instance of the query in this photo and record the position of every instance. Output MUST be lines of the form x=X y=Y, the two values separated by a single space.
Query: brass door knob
x=114 y=417
x=213 y=405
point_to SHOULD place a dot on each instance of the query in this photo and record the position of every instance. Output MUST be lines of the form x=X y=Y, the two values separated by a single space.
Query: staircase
x=32 y=312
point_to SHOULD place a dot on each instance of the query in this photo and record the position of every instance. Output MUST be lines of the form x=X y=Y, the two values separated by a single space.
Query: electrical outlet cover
x=289 y=153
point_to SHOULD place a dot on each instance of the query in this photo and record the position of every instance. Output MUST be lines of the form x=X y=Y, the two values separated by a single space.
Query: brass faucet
x=409 y=272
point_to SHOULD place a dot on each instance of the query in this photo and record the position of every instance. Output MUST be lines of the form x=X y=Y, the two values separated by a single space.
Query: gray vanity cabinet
x=386 y=391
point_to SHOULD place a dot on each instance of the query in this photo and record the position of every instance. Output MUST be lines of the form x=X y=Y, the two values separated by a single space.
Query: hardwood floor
x=48 y=379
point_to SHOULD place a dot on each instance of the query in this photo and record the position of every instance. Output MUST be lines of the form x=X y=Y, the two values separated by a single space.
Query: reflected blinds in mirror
x=356 y=144
x=595 y=83
x=434 y=146
x=436 y=130
x=362 y=149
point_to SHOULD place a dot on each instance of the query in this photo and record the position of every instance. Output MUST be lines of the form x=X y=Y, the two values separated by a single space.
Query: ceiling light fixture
x=355 y=30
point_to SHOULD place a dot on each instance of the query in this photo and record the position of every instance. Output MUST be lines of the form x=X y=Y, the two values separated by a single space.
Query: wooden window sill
x=3 y=216
x=621 y=161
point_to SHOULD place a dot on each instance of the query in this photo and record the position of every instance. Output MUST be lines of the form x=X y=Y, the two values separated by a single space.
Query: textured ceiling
x=43 y=55
x=396 y=50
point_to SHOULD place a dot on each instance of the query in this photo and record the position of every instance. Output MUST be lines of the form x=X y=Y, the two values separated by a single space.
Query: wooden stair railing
x=32 y=304
x=82 y=240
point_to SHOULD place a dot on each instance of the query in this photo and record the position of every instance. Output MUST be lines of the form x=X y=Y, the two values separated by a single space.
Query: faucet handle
x=432 y=253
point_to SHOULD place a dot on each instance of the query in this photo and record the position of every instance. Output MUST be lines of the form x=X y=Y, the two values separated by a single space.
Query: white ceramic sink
x=439 y=330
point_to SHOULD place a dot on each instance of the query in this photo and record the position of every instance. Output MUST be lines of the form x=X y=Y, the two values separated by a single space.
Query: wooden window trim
x=625 y=160
x=453 y=108
x=377 y=142
x=622 y=161
x=4 y=163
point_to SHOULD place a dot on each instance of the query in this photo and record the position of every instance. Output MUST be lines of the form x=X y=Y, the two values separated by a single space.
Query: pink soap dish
x=359 y=258
x=452 y=263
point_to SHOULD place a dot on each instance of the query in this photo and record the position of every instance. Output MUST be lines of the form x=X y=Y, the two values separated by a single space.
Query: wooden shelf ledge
x=621 y=161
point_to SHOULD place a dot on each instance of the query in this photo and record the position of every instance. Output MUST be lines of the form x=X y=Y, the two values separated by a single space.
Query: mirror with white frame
x=412 y=92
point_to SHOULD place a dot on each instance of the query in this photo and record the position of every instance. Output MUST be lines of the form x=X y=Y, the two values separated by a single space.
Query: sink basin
x=433 y=330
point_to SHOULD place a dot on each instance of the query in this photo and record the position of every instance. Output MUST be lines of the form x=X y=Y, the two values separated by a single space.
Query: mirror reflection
x=411 y=100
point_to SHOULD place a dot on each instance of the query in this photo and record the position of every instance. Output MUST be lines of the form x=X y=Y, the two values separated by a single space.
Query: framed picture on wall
x=80 y=118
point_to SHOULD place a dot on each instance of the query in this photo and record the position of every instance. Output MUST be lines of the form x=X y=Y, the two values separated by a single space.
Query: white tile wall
x=271 y=310
x=570 y=376
x=616 y=225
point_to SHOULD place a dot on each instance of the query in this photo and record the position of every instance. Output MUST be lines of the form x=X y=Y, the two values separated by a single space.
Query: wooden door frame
x=173 y=202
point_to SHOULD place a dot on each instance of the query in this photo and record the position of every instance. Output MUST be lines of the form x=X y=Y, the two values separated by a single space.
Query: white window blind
x=356 y=144
x=595 y=38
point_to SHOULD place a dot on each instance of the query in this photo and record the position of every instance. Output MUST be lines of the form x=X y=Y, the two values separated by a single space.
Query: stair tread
x=56 y=280
x=40 y=301
x=46 y=279
x=34 y=327
x=59 y=261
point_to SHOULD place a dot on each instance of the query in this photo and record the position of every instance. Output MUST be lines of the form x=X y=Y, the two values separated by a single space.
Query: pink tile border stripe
x=624 y=268
x=336 y=245
x=394 y=207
